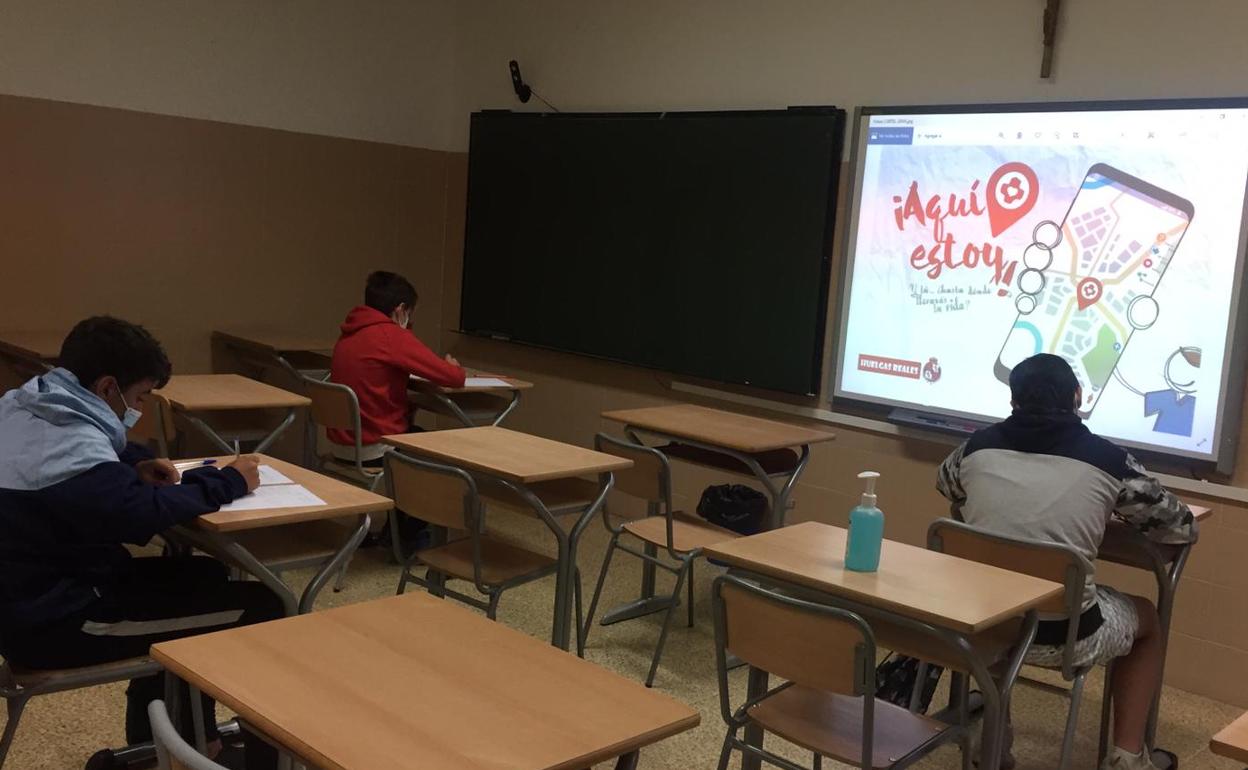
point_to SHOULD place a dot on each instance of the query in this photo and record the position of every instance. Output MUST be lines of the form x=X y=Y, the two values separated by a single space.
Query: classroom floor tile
x=59 y=732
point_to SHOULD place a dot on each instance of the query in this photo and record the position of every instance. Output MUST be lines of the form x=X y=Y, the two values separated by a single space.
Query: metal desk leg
x=332 y=566
x=515 y=401
x=565 y=573
x=756 y=686
x=225 y=549
x=628 y=761
x=1167 y=587
x=226 y=446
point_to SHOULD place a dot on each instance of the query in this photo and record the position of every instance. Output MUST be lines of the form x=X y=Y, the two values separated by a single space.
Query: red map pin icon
x=1088 y=292
x=1012 y=191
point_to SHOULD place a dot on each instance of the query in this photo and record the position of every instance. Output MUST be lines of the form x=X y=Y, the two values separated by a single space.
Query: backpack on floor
x=735 y=507
x=895 y=679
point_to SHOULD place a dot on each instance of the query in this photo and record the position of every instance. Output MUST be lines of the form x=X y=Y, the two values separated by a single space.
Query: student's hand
x=249 y=467
x=450 y=359
x=159 y=472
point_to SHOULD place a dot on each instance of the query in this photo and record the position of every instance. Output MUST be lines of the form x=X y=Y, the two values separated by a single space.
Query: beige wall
x=378 y=70
x=729 y=54
x=650 y=54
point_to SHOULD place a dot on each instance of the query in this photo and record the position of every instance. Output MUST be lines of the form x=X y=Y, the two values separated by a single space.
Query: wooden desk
x=192 y=394
x=471 y=406
x=1126 y=545
x=774 y=453
x=1232 y=740
x=517 y=460
x=955 y=598
x=221 y=533
x=28 y=354
x=965 y=596
x=743 y=433
x=40 y=347
x=294 y=352
x=413 y=681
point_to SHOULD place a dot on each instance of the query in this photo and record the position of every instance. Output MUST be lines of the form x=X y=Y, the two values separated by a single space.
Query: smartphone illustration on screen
x=1087 y=284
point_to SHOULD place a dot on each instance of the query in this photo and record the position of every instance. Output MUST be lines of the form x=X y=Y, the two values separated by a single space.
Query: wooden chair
x=683 y=537
x=156 y=427
x=448 y=499
x=1050 y=561
x=172 y=752
x=335 y=407
x=827 y=704
x=18 y=686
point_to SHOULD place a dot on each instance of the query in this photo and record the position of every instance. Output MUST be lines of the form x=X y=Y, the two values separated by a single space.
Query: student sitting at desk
x=1041 y=474
x=72 y=491
x=376 y=357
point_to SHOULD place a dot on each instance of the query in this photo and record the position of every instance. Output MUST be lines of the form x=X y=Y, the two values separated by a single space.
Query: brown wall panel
x=191 y=225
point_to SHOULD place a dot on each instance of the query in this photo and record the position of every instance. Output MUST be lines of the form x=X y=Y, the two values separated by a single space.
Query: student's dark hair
x=103 y=345
x=1043 y=383
x=385 y=291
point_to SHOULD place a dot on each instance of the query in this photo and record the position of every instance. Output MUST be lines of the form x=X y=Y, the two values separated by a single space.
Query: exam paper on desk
x=275 y=496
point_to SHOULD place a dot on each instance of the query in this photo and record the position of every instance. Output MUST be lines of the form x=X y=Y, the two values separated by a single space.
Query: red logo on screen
x=1012 y=192
x=894 y=366
x=931 y=370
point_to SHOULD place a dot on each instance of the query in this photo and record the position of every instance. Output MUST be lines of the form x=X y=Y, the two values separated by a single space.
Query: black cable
x=543 y=101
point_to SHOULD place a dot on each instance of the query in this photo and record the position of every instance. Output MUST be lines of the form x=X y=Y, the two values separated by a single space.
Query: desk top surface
x=1232 y=740
x=341 y=499
x=282 y=341
x=954 y=593
x=513 y=384
x=225 y=392
x=740 y=432
x=36 y=345
x=508 y=454
x=415 y=681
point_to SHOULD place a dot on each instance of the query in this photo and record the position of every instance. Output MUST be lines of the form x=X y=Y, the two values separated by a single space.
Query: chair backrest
x=439 y=494
x=805 y=643
x=1049 y=561
x=173 y=753
x=649 y=479
x=156 y=424
x=333 y=405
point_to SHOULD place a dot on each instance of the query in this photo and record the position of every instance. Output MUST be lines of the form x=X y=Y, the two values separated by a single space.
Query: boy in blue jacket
x=72 y=492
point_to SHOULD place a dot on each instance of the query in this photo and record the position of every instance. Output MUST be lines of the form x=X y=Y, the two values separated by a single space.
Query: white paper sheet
x=486 y=382
x=275 y=496
x=270 y=475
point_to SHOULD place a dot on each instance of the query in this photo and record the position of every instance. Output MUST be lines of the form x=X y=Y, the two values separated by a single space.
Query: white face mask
x=132 y=415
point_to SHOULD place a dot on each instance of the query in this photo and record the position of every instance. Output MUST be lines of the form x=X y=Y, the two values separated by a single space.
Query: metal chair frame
x=864 y=663
x=474 y=523
x=1077 y=571
x=683 y=569
x=17 y=695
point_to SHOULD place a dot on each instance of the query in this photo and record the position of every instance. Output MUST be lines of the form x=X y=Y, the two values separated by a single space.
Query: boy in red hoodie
x=376 y=356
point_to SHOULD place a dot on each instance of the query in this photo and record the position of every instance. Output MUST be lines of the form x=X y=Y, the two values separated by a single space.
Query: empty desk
x=413 y=681
x=522 y=463
x=774 y=453
x=193 y=395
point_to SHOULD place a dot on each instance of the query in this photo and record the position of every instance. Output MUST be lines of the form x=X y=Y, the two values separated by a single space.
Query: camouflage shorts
x=1112 y=640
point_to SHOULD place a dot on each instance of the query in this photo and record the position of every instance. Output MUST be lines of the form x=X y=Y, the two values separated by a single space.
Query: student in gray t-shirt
x=1041 y=474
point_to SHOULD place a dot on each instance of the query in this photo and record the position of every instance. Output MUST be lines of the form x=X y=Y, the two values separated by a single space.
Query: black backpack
x=734 y=506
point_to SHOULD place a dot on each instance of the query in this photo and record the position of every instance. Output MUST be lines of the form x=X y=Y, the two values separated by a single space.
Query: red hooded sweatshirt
x=374 y=357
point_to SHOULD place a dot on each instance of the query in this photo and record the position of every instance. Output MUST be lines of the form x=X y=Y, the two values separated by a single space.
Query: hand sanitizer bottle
x=866 y=530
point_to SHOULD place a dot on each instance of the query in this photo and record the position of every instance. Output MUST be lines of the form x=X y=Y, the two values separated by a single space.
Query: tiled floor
x=59 y=732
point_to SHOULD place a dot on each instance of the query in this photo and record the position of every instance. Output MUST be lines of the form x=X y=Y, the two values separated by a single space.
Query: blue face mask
x=132 y=415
